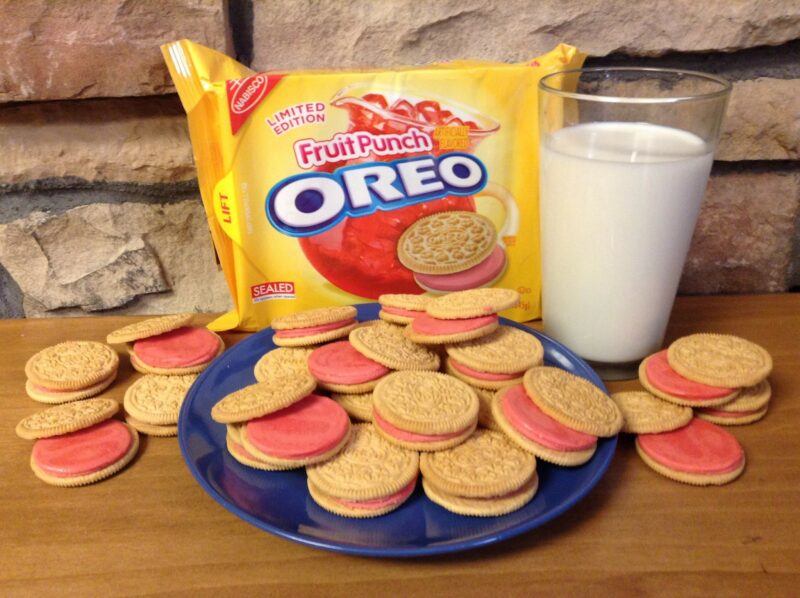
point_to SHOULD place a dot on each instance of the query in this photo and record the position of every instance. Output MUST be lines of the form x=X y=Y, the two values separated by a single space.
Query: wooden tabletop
x=152 y=528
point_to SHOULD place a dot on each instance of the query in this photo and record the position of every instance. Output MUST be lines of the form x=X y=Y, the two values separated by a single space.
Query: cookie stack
x=70 y=371
x=168 y=345
x=281 y=424
x=78 y=443
x=152 y=403
x=386 y=374
x=699 y=381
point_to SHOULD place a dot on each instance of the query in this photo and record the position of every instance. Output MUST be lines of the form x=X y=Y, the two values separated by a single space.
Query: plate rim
x=359 y=550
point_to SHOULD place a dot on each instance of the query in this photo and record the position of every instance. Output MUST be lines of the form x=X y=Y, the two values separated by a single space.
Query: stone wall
x=99 y=207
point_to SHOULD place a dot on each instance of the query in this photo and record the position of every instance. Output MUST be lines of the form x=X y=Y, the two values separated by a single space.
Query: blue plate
x=279 y=503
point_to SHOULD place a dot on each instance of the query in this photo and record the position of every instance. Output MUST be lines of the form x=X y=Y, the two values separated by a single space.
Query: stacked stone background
x=99 y=208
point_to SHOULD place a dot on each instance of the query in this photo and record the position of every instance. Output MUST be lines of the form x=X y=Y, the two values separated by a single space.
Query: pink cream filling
x=699 y=447
x=527 y=419
x=180 y=348
x=310 y=427
x=410 y=436
x=398 y=311
x=664 y=378
x=309 y=330
x=477 y=276
x=380 y=503
x=340 y=363
x=431 y=326
x=83 y=452
x=468 y=371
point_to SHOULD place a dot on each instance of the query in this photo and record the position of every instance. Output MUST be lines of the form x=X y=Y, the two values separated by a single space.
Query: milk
x=619 y=203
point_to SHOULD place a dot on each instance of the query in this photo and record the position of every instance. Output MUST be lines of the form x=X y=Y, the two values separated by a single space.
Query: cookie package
x=333 y=187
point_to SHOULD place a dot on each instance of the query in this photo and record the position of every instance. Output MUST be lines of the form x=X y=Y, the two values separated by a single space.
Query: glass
x=625 y=155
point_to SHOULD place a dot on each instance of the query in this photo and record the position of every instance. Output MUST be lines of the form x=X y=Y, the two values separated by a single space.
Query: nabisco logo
x=244 y=96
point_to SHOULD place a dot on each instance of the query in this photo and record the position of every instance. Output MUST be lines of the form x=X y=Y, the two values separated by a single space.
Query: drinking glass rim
x=574 y=95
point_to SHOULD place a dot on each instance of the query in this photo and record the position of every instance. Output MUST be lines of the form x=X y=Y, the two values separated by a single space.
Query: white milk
x=618 y=206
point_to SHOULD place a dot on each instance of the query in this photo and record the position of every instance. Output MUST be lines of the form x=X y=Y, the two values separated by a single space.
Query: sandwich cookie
x=233 y=442
x=168 y=345
x=152 y=403
x=573 y=401
x=401 y=308
x=496 y=360
x=749 y=406
x=78 y=443
x=451 y=251
x=314 y=326
x=472 y=304
x=428 y=330
x=424 y=411
x=485 y=476
x=283 y=362
x=261 y=398
x=719 y=360
x=645 y=414
x=368 y=478
x=358 y=406
x=699 y=453
x=312 y=430
x=70 y=371
x=658 y=377
x=485 y=415
x=338 y=367
x=537 y=433
x=386 y=344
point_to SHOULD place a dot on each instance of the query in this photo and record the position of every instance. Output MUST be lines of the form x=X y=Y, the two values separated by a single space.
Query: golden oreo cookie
x=446 y=242
x=402 y=308
x=143 y=368
x=646 y=414
x=72 y=365
x=314 y=317
x=151 y=429
x=56 y=397
x=283 y=362
x=147 y=328
x=386 y=344
x=573 y=401
x=424 y=411
x=472 y=303
x=483 y=507
x=69 y=417
x=156 y=400
x=487 y=465
x=261 y=398
x=719 y=360
x=507 y=350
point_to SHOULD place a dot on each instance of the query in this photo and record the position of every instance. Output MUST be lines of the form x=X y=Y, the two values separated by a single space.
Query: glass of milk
x=625 y=155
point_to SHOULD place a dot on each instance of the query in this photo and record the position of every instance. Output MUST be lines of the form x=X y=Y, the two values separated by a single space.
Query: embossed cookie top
x=368 y=467
x=446 y=242
x=645 y=414
x=314 y=317
x=261 y=398
x=72 y=365
x=487 y=464
x=157 y=399
x=148 y=327
x=719 y=360
x=66 y=418
x=507 y=350
x=386 y=344
x=425 y=402
x=472 y=303
x=281 y=363
x=573 y=401
x=405 y=301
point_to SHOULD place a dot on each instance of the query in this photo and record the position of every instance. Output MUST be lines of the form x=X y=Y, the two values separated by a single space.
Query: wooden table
x=152 y=529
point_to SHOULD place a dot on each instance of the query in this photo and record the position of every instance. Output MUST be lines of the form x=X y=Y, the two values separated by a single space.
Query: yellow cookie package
x=328 y=187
